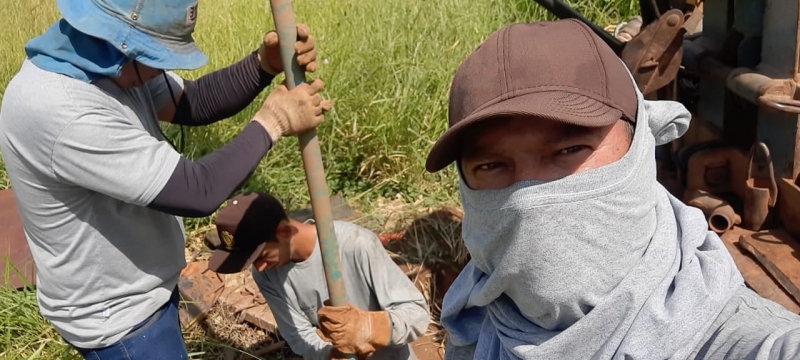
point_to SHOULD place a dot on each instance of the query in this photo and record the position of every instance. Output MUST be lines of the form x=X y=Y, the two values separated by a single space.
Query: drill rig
x=734 y=65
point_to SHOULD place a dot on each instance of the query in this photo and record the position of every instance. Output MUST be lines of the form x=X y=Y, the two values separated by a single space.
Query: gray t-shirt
x=295 y=293
x=84 y=160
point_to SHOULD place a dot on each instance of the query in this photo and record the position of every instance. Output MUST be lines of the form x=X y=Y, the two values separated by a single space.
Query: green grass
x=386 y=64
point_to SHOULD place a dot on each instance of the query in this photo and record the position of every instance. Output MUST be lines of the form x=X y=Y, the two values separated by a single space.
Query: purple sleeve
x=198 y=188
x=221 y=94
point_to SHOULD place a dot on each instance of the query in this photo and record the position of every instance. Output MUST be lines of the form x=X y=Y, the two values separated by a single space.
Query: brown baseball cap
x=557 y=70
x=244 y=226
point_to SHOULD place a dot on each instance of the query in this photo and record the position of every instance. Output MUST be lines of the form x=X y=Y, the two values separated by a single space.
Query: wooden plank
x=262 y=317
x=778 y=252
x=239 y=299
x=755 y=276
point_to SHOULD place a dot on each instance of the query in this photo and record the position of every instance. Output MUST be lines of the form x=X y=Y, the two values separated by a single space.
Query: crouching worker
x=386 y=311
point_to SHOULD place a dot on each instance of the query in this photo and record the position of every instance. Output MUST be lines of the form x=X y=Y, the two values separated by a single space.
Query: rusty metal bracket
x=654 y=56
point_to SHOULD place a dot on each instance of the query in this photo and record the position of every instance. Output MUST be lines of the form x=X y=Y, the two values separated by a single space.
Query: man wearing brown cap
x=577 y=251
x=386 y=311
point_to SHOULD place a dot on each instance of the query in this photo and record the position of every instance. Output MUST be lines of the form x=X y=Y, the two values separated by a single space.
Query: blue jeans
x=157 y=337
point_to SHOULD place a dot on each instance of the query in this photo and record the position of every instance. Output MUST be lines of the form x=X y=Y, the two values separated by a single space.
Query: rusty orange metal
x=720 y=214
x=777 y=251
x=718 y=170
x=654 y=55
x=788 y=206
x=755 y=276
x=761 y=192
x=199 y=292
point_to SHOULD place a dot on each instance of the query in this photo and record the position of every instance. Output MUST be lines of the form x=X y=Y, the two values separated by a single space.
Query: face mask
x=557 y=248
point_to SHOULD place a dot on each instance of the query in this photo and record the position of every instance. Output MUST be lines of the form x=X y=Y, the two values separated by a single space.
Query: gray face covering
x=603 y=263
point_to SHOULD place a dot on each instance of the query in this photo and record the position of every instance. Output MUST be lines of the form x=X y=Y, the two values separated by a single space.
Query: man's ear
x=285 y=230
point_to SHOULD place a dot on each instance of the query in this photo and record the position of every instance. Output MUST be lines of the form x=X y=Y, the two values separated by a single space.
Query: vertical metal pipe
x=312 y=158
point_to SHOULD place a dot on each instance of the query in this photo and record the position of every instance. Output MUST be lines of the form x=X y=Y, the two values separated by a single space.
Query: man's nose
x=529 y=168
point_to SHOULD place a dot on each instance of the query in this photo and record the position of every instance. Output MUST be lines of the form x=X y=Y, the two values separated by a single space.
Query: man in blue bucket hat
x=100 y=191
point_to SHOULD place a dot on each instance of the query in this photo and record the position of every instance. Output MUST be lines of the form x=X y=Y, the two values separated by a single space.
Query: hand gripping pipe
x=312 y=158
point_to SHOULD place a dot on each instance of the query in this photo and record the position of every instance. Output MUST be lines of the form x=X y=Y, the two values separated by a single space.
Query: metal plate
x=13 y=245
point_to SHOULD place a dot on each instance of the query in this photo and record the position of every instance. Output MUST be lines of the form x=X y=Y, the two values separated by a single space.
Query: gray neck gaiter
x=600 y=264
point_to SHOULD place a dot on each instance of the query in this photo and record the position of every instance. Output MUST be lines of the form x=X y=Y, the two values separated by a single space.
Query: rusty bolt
x=672 y=20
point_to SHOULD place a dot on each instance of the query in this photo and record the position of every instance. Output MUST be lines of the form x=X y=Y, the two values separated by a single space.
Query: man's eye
x=488 y=166
x=572 y=149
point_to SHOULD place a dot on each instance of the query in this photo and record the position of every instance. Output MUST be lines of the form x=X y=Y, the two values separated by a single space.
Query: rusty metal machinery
x=734 y=64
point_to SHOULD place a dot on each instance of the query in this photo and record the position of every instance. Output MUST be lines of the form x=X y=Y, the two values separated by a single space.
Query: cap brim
x=564 y=107
x=224 y=262
x=157 y=53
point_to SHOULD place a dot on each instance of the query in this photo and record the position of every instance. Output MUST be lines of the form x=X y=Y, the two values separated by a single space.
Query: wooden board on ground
x=240 y=299
x=778 y=252
x=14 y=250
x=755 y=276
x=201 y=289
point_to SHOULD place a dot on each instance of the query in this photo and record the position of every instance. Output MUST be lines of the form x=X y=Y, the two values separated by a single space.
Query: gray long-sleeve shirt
x=296 y=292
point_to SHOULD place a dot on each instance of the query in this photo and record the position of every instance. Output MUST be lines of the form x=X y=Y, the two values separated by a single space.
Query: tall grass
x=386 y=64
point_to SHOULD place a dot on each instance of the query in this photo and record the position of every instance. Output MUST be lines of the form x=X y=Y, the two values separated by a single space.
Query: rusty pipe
x=753 y=86
x=283 y=17
x=748 y=84
x=720 y=214
x=759 y=90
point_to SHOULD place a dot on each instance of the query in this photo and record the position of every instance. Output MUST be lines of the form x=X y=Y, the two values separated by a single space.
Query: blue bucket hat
x=156 y=33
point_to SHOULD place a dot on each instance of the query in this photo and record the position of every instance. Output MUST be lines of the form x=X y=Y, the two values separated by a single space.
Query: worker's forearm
x=314 y=348
x=222 y=93
x=197 y=189
x=408 y=312
x=409 y=321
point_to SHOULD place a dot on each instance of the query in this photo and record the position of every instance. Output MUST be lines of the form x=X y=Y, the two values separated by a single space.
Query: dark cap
x=557 y=70
x=244 y=226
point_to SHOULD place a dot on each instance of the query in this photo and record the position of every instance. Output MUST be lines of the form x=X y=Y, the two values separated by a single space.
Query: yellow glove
x=354 y=331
